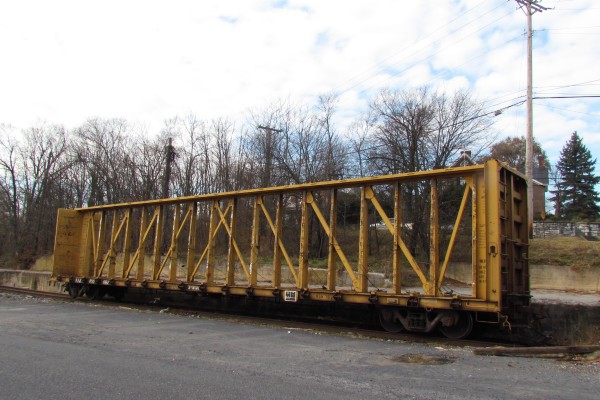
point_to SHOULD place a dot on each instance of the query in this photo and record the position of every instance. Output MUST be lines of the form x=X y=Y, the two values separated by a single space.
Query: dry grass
x=566 y=251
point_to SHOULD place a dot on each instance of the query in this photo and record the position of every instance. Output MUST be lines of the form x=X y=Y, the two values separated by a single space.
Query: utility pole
x=266 y=178
x=169 y=158
x=529 y=7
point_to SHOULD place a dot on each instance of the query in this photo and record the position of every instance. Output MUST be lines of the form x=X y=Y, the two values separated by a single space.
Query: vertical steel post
x=331 y=256
x=89 y=258
x=211 y=245
x=111 y=250
x=303 y=256
x=231 y=250
x=492 y=239
x=191 y=251
x=397 y=254
x=434 y=243
x=142 y=244
x=277 y=248
x=254 y=245
x=158 y=242
x=174 y=243
x=127 y=243
x=100 y=244
x=481 y=240
x=363 y=244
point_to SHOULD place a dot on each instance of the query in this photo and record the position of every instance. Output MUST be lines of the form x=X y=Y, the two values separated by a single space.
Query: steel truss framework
x=110 y=245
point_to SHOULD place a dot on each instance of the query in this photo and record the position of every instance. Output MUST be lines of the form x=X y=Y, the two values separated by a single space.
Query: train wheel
x=73 y=290
x=458 y=325
x=389 y=320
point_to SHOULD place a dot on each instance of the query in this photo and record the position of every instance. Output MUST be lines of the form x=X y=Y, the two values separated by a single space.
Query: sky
x=62 y=62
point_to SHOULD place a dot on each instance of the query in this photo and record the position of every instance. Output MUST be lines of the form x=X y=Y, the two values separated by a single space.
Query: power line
x=570 y=111
x=583 y=96
x=358 y=83
x=586 y=83
x=422 y=60
x=376 y=65
x=567 y=28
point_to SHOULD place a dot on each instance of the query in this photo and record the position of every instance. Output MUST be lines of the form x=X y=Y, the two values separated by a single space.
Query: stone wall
x=554 y=229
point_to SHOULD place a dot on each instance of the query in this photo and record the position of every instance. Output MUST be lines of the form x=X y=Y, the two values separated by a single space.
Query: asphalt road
x=51 y=349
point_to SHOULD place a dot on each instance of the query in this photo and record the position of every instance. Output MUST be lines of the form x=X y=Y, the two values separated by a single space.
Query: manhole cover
x=424 y=359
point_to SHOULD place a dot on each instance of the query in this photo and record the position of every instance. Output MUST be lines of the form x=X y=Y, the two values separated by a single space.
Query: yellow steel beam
x=141 y=251
x=278 y=244
x=110 y=255
x=87 y=244
x=332 y=250
x=140 y=254
x=127 y=243
x=279 y=248
x=362 y=285
x=317 y=186
x=100 y=244
x=94 y=244
x=335 y=244
x=172 y=253
x=455 y=229
x=397 y=255
x=254 y=244
x=191 y=254
x=177 y=227
x=492 y=238
x=398 y=239
x=231 y=230
x=158 y=238
x=480 y=243
x=233 y=248
x=303 y=256
x=209 y=250
x=434 y=239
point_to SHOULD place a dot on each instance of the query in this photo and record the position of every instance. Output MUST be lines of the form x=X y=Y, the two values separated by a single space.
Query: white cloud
x=65 y=61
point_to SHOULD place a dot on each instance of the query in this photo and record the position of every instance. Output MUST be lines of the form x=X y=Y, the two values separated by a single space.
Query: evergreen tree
x=575 y=194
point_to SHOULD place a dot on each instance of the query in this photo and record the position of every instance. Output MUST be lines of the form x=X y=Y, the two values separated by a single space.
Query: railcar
x=440 y=250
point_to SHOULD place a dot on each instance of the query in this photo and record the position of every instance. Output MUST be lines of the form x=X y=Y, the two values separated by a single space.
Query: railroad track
x=32 y=292
x=322 y=326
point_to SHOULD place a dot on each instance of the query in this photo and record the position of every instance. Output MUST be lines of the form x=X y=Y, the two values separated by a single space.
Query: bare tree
x=335 y=156
x=31 y=187
x=360 y=133
x=146 y=171
x=222 y=139
x=193 y=172
x=10 y=200
x=419 y=130
x=104 y=146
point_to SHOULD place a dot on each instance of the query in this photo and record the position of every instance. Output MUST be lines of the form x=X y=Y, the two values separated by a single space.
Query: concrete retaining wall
x=36 y=280
x=565 y=278
x=549 y=277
